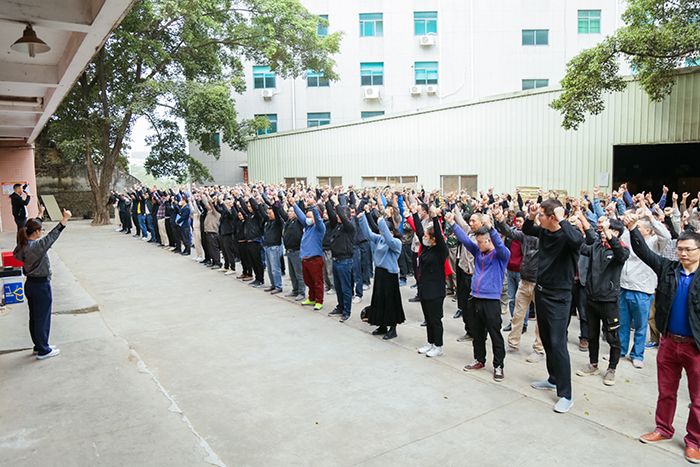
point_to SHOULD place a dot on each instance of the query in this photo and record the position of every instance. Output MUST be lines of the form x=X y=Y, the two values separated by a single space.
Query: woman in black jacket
x=431 y=279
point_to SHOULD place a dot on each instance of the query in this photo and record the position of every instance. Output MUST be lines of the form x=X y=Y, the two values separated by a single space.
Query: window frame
x=377 y=28
x=427 y=71
x=321 y=80
x=588 y=17
x=323 y=181
x=385 y=180
x=264 y=73
x=424 y=22
x=535 y=83
x=373 y=72
x=317 y=118
x=273 y=124
x=322 y=31
x=534 y=32
x=378 y=113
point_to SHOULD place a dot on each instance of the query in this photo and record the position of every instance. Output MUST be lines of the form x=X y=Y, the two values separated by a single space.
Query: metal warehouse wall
x=507 y=140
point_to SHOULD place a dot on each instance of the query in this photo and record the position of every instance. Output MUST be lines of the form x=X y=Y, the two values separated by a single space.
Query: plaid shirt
x=161 y=205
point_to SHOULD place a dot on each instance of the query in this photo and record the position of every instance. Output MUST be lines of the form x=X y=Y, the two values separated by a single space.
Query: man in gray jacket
x=638 y=284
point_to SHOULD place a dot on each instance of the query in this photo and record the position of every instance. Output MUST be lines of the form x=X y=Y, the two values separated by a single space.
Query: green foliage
x=182 y=60
x=659 y=37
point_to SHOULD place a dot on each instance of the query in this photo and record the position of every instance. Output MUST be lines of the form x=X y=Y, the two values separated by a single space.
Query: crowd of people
x=622 y=262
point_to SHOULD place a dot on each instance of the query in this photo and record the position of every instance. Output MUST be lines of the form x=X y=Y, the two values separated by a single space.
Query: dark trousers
x=357 y=273
x=405 y=261
x=244 y=255
x=485 y=317
x=214 y=248
x=185 y=237
x=432 y=312
x=255 y=253
x=177 y=239
x=609 y=314
x=39 y=300
x=155 y=233
x=313 y=278
x=578 y=302
x=125 y=220
x=464 y=288
x=205 y=243
x=553 y=313
x=229 y=249
x=135 y=219
x=169 y=232
x=366 y=262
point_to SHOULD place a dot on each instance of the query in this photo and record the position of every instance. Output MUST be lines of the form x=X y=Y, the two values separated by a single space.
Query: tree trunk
x=101 y=208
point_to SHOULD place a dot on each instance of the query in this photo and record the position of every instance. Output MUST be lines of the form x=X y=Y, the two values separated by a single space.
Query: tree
x=180 y=60
x=659 y=37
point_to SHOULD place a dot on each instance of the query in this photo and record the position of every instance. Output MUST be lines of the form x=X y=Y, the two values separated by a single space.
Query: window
x=214 y=140
x=535 y=36
x=318 y=119
x=289 y=181
x=425 y=22
x=535 y=83
x=371 y=25
x=263 y=77
x=330 y=181
x=426 y=72
x=589 y=21
x=372 y=114
x=272 y=118
x=386 y=181
x=372 y=74
x=316 y=80
x=322 y=30
x=457 y=183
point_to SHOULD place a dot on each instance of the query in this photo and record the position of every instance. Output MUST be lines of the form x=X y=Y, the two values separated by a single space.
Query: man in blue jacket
x=484 y=306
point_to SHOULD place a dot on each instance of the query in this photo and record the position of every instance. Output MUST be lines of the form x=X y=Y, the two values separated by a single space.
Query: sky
x=139 y=149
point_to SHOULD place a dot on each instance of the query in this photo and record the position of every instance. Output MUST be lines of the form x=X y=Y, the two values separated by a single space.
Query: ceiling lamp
x=29 y=43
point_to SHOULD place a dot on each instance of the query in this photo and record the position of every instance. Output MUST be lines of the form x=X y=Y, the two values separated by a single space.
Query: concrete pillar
x=16 y=166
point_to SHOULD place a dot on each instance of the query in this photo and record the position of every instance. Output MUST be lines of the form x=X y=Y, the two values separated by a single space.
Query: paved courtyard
x=166 y=363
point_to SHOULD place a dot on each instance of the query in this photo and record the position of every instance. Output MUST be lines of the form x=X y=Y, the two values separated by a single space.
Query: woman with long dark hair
x=32 y=249
x=386 y=308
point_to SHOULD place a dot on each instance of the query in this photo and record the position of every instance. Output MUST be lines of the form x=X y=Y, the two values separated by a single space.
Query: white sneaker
x=365 y=287
x=223 y=270
x=638 y=364
x=229 y=272
x=36 y=352
x=426 y=348
x=53 y=353
x=563 y=405
x=434 y=352
x=535 y=357
x=357 y=299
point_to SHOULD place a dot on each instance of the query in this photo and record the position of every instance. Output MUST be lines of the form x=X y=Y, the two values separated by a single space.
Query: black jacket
x=669 y=273
x=18 y=205
x=293 y=231
x=272 y=227
x=254 y=223
x=229 y=218
x=342 y=237
x=528 y=245
x=431 y=262
x=604 y=269
x=558 y=254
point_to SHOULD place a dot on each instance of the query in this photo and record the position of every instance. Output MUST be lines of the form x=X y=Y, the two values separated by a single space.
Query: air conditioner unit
x=371 y=92
x=267 y=93
x=416 y=90
x=432 y=89
x=427 y=40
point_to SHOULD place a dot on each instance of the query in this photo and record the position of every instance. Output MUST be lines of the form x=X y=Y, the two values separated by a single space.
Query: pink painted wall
x=16 y=165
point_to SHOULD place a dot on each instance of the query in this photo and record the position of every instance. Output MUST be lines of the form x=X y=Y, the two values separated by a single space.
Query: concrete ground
x=183 y=366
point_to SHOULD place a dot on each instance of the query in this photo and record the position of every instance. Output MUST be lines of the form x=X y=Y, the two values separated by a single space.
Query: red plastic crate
x=9 y=260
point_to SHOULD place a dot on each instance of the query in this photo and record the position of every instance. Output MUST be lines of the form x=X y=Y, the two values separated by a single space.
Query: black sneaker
x=508 y=328
x=345 y=317
x=414 y=299
x=424 y=323
x=335 y=312
x=498 y=374
x=458 y=314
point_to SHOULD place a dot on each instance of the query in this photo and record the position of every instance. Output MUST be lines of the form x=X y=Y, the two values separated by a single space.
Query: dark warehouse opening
x=648 y=167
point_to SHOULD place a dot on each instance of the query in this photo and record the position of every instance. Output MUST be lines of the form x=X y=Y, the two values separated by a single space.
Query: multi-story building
x=402 y=55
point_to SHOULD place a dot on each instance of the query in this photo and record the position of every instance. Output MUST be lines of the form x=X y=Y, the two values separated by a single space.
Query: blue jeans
x=274 y=270
x=357 y=255
x=39 y=300
x=142 y=224
x=149 y=224
x=634 y=308
x=513 y=281
x=342 y=279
